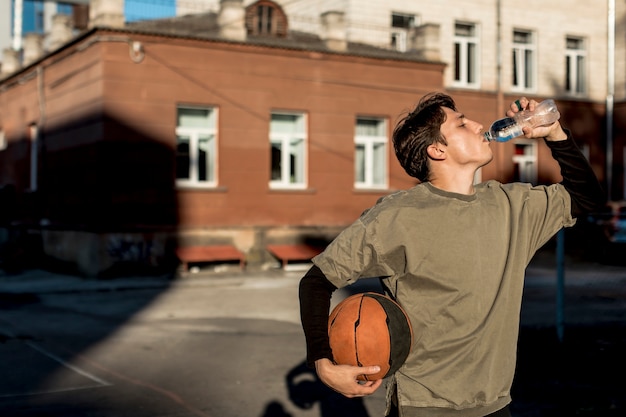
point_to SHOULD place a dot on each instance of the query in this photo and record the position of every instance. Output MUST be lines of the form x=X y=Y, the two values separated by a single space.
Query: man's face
x=466 y=143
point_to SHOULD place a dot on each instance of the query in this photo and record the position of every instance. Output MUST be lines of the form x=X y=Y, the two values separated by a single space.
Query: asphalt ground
x=229 y=344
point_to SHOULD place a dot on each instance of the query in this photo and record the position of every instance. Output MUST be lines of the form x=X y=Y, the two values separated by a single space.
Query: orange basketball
x=370 y=329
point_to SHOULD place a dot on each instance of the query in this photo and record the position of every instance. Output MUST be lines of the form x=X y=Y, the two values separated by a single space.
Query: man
x=453 y=254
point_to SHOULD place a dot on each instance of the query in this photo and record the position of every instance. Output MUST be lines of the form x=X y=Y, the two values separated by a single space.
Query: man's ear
x=436 y=151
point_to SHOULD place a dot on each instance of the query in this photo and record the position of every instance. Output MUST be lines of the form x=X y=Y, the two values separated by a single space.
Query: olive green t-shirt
x=456 y=264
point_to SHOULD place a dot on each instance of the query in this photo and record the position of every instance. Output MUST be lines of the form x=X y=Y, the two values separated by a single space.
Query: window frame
x=466 y=60
x=286 y=139
x=526 y=164
x=195 y=136
x=370 y=160
x=576 y=62
x=525 y=72
x=398 y=39
x=266 y=19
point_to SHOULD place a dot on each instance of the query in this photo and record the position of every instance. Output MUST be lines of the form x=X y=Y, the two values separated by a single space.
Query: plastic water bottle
x=509 y=128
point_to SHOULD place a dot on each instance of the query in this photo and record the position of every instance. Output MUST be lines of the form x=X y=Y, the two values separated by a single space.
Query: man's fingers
x=369 y=370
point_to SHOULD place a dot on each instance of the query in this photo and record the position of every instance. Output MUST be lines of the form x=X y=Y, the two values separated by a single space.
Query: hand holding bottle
x=546 y=119
x=530 y=119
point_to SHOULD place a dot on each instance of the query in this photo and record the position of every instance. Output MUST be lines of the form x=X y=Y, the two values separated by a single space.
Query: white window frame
x=296 y=142
x=399 y=33
x=526 y=164
x=524 y=61
x=3 y=140
x=575 y=63
x=398 y=40
x=466 y=56
x=195 y=135
x=370 y=166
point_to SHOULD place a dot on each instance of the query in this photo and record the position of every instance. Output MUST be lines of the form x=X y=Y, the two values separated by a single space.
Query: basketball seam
x=356 y=325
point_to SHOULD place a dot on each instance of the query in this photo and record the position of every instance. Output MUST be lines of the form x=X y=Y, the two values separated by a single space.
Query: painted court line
x=86 y=374
x=98 y=382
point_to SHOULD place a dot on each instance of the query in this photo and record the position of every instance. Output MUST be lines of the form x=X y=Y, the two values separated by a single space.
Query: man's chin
x=487 y=161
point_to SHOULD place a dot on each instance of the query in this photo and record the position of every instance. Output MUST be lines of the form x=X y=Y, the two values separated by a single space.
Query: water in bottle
x=509 y=128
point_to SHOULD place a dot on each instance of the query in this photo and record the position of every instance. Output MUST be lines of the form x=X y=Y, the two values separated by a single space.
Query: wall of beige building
x=551 y=22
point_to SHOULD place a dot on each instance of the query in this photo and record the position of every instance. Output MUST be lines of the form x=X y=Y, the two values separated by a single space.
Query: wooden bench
x=293 y=252
x=209 y=253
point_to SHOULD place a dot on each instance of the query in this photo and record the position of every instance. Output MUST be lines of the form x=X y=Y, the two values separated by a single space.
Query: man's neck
x=454 y=185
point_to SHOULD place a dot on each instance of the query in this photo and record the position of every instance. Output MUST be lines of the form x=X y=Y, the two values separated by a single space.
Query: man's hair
x=418 y=130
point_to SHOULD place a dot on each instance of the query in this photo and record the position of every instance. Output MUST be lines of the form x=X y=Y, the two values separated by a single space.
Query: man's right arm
x=315 y=296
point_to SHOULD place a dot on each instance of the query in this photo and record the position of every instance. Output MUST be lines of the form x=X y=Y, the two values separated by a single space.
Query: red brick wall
x=108 y=160
x=246 y=84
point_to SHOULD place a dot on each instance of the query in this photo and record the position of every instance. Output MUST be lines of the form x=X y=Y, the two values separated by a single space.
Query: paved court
x=230 y=345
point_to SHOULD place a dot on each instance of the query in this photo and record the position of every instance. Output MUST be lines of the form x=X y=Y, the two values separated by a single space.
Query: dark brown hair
x=418 y=130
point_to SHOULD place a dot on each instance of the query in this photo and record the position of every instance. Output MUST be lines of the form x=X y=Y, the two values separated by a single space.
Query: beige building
x=571 y=50
x=556 y=48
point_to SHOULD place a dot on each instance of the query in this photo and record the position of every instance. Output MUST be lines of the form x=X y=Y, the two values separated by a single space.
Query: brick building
x=225 y=128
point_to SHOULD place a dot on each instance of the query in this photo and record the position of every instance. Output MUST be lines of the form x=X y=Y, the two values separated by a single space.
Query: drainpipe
x=499 y=93
x=18 y=11
x=610 y=97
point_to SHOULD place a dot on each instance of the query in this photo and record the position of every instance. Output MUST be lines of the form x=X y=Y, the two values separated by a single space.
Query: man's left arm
x=579 y=179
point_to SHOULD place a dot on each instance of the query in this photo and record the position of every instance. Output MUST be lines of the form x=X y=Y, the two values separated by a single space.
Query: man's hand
x=552 y=133
x=342 y=378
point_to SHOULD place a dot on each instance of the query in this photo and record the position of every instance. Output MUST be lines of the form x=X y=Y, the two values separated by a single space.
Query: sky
x=32 y=20
x=149 y=9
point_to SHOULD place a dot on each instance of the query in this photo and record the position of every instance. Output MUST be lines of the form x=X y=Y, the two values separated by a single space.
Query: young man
x=453 y=254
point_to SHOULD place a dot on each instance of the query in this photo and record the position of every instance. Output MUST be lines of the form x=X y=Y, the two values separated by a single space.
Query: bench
x=293 y=252
x=209 y=253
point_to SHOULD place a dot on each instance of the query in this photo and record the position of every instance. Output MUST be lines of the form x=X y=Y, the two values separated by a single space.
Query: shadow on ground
x=583 y=375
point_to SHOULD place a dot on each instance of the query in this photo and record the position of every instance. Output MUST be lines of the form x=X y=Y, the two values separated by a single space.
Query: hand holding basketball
x=343 y=378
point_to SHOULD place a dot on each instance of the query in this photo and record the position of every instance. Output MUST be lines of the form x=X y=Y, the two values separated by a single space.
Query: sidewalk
x=38 y=281
x=541 y=272
x=593 y=294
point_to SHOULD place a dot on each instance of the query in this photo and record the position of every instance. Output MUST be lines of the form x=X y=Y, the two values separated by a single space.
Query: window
x=39 y=21
x=370 y=157
x=288 y=147
x=401 y=23
x=196 y=150
x=575 y=66
x=523 y=60
x=266 y=18
x=465 y=55
x=525 y=161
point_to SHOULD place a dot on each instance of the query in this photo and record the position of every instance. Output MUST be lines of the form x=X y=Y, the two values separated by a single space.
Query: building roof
x=204 y=26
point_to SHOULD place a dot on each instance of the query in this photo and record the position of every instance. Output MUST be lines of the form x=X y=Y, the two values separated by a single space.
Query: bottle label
x=509 y=133
x=505 y=129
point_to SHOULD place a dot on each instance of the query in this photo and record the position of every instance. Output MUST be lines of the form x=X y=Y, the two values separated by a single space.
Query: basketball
x=370 y=329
